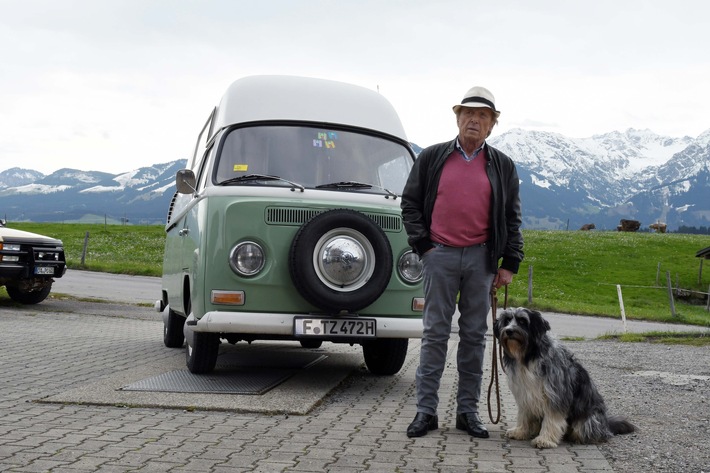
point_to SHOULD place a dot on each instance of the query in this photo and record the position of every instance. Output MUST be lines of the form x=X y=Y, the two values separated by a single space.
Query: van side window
x=204 y=171
x=202 y=140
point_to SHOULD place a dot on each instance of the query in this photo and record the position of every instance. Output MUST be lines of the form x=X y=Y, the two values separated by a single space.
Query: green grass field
x=124 y=249
x=572 y=272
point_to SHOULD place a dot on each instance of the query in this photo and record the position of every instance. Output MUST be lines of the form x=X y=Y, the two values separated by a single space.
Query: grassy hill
x=572 y=272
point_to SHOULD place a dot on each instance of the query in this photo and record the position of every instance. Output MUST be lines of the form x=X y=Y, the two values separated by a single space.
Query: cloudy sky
x=113 y=85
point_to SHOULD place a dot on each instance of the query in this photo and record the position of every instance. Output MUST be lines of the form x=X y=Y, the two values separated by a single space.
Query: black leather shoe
x=422 y=424
x=471 y=423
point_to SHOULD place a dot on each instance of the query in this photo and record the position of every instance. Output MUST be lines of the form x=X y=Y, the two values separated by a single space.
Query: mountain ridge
x=565 y=183
x=635 y=174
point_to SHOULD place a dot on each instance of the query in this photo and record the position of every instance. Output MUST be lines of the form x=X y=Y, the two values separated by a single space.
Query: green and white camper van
x=287 y=225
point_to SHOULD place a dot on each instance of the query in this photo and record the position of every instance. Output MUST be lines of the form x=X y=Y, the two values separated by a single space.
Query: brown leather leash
x=497 y=353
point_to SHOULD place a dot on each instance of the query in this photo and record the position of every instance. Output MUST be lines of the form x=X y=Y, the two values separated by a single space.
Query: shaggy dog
x=556 y=397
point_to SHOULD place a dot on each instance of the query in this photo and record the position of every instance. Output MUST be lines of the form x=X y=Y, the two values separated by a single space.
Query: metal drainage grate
x=182 y=381
x=267 y=359
x=235 y=374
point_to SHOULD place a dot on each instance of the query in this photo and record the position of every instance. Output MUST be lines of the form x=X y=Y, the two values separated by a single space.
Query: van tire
x=385 y=356
x=201 y=357
x=312 y=282
x=311 y=343
x=173 y=336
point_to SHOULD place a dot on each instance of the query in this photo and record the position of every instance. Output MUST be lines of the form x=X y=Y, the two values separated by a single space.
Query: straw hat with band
x=478 y=97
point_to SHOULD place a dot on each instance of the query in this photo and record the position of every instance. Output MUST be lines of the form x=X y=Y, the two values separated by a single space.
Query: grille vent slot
x=388 y=223
x=296 y=216
x=289 y=215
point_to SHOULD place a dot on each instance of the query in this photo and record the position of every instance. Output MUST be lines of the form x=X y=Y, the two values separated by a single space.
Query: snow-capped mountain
x=565 y=183
x=612 y=162
x=16 y=177
x=141 y=195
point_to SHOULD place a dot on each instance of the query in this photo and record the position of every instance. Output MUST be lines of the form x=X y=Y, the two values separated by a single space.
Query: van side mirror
x=185 y=181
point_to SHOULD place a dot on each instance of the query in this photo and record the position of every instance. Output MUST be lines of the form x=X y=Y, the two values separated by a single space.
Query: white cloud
x=114 y=85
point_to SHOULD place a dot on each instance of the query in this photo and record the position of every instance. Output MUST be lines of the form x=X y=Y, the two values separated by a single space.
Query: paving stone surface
x=357 y=424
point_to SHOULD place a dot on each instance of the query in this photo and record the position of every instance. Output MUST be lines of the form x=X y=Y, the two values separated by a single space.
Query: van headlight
x=247 y=258
x=410 y=267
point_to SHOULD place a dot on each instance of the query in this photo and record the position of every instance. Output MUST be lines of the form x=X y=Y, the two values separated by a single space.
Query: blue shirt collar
x=463 y=153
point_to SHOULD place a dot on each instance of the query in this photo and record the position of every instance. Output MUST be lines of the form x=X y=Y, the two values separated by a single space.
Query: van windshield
x=313 y=157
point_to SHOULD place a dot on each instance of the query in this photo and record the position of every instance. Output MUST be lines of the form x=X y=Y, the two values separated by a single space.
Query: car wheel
x=385 y=356
x=28 y=297
x=340 y=260
x=173 y=336
x=201 y=356
x=311 y=343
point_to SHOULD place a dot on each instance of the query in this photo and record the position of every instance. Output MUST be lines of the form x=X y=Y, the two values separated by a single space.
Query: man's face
x=475 y=123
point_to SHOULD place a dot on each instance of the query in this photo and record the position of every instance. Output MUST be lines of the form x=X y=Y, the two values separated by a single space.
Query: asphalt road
x=110 y=287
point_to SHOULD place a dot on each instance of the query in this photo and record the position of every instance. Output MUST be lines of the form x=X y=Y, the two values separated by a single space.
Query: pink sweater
x=463 y=201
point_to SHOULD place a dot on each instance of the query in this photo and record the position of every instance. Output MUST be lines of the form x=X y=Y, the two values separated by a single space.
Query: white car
x=29 y=263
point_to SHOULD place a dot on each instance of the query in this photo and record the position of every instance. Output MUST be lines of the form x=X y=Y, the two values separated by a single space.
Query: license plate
x=332 y=327
x=44 y=270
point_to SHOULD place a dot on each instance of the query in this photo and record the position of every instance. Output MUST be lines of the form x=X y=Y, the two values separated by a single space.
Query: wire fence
x=673 y=291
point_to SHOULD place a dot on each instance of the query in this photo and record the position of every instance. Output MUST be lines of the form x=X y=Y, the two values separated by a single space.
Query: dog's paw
x=517 y=434
x=541 y=442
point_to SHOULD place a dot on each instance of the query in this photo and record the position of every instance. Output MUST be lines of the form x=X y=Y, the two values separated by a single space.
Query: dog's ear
x=501 y=321
x=496 y=328
x=538 y=324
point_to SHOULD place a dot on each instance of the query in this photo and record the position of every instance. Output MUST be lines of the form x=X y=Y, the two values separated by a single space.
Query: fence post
x=700 y=272
x=658 y=272
x=530 y=284
x=707 y=306
x=670 y=292
x=83 y=252
x=621 y=305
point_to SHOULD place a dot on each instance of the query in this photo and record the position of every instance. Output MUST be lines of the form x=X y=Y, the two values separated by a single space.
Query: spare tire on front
x=340 y=260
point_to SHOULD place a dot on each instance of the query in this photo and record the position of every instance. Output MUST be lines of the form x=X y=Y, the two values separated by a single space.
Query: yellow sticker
x=241 y=167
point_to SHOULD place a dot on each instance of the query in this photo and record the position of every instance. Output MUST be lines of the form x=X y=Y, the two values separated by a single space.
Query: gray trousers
x=447 y=272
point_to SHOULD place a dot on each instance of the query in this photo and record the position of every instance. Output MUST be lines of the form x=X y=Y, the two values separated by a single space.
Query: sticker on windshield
x=241 y=168
x=325 y=139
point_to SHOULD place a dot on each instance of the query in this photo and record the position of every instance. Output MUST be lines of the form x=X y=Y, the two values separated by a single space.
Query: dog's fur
x=556 y=397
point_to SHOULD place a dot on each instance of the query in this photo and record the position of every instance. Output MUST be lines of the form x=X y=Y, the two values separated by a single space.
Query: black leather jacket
x=506 y=239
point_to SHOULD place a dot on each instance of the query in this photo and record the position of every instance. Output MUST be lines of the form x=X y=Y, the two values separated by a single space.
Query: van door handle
x=184 y=231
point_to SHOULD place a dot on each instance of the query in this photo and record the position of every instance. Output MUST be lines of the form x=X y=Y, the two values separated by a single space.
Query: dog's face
x=519 y=331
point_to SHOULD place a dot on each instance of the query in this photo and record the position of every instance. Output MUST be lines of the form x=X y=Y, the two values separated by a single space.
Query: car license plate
x=44 y=270
x=334 y=327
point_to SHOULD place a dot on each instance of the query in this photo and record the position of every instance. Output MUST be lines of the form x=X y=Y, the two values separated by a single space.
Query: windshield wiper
x=345 y=184
x=355 y=185
x=261 y=177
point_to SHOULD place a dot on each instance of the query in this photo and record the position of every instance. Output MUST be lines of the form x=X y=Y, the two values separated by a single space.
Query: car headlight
x=9 y=247
x=247 y=258
x=410 y=267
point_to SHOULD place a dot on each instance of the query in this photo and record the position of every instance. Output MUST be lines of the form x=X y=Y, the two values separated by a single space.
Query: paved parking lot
x=62 y=411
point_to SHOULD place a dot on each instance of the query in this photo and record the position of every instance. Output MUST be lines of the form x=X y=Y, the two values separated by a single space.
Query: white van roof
x=260 y=98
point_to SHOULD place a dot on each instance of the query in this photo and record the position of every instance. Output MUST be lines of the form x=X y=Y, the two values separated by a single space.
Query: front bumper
x=281 y=325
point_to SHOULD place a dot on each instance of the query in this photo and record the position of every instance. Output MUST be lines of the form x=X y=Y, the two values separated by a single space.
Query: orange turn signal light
x=227 y=297
x=418 y=304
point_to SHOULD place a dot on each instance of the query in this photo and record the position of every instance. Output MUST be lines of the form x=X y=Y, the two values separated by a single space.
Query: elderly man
x=461 y=210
